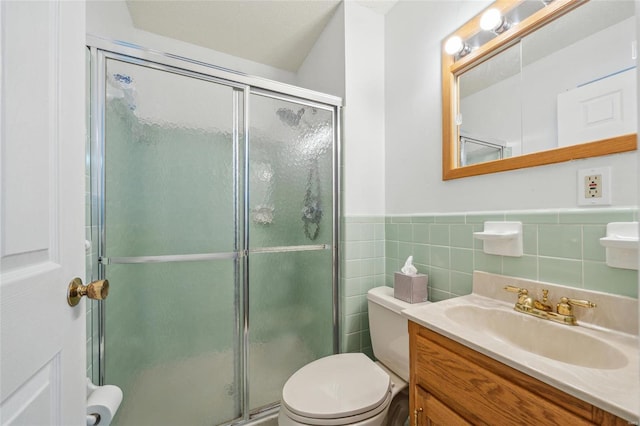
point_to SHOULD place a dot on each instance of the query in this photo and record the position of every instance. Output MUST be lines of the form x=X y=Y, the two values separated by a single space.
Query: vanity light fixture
x=455 y=46
x=492 y=20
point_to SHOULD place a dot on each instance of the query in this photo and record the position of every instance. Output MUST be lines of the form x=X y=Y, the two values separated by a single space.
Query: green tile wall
x=362 y=268
x=560 y=246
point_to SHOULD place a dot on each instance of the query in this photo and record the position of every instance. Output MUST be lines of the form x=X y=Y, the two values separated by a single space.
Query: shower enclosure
x=214 y=218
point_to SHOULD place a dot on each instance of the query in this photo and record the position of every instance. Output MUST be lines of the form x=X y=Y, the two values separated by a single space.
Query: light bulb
x=491 y=20
x=453 y=45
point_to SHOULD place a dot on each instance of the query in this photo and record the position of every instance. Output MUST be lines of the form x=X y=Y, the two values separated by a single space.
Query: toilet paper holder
x=102 y=403
x=93 y=419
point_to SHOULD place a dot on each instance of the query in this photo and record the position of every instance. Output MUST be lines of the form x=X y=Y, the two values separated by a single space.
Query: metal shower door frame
x=244 y=86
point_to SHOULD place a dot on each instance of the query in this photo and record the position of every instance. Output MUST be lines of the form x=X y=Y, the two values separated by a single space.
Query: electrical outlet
x=594 y=186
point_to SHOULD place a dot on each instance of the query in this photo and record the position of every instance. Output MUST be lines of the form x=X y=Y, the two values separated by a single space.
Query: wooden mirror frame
x=452 y=69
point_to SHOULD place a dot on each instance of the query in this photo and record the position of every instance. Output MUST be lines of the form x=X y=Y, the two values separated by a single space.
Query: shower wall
x=200 y=235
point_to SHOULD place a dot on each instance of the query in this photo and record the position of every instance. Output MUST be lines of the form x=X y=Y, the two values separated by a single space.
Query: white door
x=42 y=130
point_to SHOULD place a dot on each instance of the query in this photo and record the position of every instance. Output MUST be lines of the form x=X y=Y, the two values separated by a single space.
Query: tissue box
x=410 y=288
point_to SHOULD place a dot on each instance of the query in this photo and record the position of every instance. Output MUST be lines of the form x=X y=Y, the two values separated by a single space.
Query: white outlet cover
x=605 y=199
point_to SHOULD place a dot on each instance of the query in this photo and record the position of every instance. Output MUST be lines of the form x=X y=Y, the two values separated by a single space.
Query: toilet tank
x=388 y=328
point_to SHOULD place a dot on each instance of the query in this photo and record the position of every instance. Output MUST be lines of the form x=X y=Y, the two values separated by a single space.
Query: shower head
x=288 y=117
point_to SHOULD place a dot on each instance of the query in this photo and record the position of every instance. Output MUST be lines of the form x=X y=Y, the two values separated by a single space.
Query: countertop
x=616 y=390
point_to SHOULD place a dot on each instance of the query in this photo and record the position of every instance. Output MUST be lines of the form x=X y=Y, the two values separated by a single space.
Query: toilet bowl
x=350 y=388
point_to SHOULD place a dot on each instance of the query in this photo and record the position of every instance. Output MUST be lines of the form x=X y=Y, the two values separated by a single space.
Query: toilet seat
x=338 y=421
x=337 y=389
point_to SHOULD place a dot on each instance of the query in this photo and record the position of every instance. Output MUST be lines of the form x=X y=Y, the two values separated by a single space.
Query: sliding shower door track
x=208 y=256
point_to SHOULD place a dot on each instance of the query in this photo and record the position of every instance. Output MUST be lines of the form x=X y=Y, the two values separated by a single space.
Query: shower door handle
x=96 y=290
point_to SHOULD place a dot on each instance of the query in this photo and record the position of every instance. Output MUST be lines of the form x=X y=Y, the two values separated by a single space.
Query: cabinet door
x=432 y=412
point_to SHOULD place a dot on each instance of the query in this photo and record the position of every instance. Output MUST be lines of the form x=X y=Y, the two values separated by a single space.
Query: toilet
x=349 y=388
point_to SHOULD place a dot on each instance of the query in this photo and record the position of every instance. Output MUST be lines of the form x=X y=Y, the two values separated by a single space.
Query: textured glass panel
x=169 y=163
x=172 y=188
x=170 y=342
x=290 y=318
x=290 y=173
x=171 y=328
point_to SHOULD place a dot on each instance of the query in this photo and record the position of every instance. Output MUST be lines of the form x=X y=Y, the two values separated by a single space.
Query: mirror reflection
x=490 y=116
x=570 y=82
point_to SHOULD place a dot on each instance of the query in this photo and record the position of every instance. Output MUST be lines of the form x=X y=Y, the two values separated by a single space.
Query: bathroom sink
x=563 y=343
x=592 y=361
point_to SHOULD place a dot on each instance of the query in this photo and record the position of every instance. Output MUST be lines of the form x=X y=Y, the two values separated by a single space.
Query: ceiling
x=279 y=33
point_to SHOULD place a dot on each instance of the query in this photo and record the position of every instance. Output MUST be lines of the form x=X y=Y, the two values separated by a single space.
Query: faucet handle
x=514 y=289
x=583 y=303
x=566 y=304
x=525 y=301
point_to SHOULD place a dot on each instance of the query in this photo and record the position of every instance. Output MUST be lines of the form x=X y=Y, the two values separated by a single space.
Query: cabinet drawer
x=479 y=395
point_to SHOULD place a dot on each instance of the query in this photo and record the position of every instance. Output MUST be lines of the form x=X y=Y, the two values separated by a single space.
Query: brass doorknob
x=97 y=290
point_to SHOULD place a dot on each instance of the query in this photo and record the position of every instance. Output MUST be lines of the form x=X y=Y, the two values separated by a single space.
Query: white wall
x=364 y=122
x=348 y=61
x=414 y=31
x=323 y=68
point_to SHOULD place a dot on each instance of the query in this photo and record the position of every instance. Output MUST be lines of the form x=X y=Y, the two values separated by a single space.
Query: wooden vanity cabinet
x=431 y=411
x=453 y=385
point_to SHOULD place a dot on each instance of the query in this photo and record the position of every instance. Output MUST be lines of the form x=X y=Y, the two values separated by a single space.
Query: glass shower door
x=290 y=242
x=169 y=245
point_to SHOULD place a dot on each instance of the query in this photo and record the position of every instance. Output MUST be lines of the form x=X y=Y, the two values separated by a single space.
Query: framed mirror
x=546 y=81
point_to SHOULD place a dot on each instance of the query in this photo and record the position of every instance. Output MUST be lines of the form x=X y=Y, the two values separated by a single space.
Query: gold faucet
x=541 y=309
x=525 y=304
x=564 y=310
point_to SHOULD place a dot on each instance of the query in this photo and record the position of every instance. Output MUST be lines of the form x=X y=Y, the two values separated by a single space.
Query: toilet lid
x=336 y=386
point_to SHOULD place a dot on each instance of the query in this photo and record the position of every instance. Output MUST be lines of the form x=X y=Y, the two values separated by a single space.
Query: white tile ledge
x=613 y=320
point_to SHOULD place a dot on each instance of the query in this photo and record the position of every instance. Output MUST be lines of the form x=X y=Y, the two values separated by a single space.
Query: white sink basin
x=559 y=342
